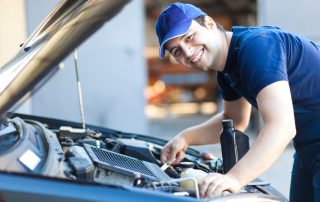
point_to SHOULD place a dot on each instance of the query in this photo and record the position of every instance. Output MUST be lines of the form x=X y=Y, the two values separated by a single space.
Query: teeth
x=198 y=57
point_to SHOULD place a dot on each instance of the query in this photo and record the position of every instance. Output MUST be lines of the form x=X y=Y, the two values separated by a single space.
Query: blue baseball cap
x=175 y=21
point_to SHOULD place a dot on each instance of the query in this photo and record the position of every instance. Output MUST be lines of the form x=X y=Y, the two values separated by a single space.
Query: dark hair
x=201 y=21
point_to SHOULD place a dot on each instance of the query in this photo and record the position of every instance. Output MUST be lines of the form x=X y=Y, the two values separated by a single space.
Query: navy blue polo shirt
x=260 y=56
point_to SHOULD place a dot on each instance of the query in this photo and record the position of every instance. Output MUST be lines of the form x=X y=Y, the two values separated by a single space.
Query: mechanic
x=270 y=69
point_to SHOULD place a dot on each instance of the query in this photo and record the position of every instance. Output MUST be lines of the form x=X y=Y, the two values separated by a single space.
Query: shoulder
x=256 y=36
x=261 y=41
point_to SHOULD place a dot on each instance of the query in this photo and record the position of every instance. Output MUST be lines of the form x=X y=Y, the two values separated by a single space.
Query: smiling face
x=201 y=48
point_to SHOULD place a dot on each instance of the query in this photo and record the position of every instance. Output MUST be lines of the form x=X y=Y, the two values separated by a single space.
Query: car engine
x=61 y=149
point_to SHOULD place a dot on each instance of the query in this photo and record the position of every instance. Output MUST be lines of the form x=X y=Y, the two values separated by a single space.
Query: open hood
x=64 y=29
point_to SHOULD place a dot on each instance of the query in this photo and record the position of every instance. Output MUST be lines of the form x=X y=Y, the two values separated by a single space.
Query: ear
x=209 y=22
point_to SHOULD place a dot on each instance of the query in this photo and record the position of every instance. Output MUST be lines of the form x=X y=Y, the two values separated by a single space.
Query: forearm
x=268 y=146
x=275 y=106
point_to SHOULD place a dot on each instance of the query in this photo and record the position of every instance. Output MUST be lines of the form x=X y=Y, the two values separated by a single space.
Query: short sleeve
x=226 y=90
x=262 y=61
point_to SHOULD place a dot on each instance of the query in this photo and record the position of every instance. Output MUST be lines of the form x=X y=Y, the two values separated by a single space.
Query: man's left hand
x=214 y=184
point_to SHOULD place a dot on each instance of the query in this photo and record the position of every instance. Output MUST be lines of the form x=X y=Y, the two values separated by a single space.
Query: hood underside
x=64 y=29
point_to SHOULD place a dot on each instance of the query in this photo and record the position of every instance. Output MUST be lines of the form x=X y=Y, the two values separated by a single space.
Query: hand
x=173 y=151
x=214 y=184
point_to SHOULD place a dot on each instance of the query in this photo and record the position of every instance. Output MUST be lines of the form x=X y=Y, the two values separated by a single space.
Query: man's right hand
x=173 y=152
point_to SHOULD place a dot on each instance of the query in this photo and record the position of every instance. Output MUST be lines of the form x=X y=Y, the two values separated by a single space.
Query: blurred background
x=125 y=84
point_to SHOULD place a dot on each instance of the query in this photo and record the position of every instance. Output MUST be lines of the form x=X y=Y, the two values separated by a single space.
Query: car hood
x=64 y=29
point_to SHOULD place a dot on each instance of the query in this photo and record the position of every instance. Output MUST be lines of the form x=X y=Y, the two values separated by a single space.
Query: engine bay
x=103 y=156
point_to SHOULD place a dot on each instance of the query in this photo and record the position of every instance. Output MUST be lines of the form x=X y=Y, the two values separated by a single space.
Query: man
x=265 y=67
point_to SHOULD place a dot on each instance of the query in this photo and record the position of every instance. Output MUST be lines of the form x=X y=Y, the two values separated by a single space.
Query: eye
x=189 y=37
x=176 y=52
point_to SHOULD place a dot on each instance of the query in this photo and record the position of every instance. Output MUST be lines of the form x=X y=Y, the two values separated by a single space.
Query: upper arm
x=275 y=105
x=239 y=111
x=262 y=61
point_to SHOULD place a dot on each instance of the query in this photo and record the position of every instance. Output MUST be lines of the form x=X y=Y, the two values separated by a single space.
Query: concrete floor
x=279 y=174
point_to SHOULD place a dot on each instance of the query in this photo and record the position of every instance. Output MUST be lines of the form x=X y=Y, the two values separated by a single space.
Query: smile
x=197 y=58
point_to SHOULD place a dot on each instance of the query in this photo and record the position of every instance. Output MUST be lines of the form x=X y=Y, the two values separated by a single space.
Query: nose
x=187 y=49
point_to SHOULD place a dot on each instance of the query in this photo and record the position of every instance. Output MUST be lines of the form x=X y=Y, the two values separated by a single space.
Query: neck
x=228 y=38
x=227 y=35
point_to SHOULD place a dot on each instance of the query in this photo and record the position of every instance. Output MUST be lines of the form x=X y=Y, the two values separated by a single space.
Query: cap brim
x=177 y=31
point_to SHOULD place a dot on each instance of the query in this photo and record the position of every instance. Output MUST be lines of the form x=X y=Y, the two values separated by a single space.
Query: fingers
x=165 y=153
x=173 y=152
x=214 y=185
x=215 y=189
x=179 y=157
x=208 y=185
x=168 y=153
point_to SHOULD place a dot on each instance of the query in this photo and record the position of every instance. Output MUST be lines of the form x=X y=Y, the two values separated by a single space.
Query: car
x=45 y=159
